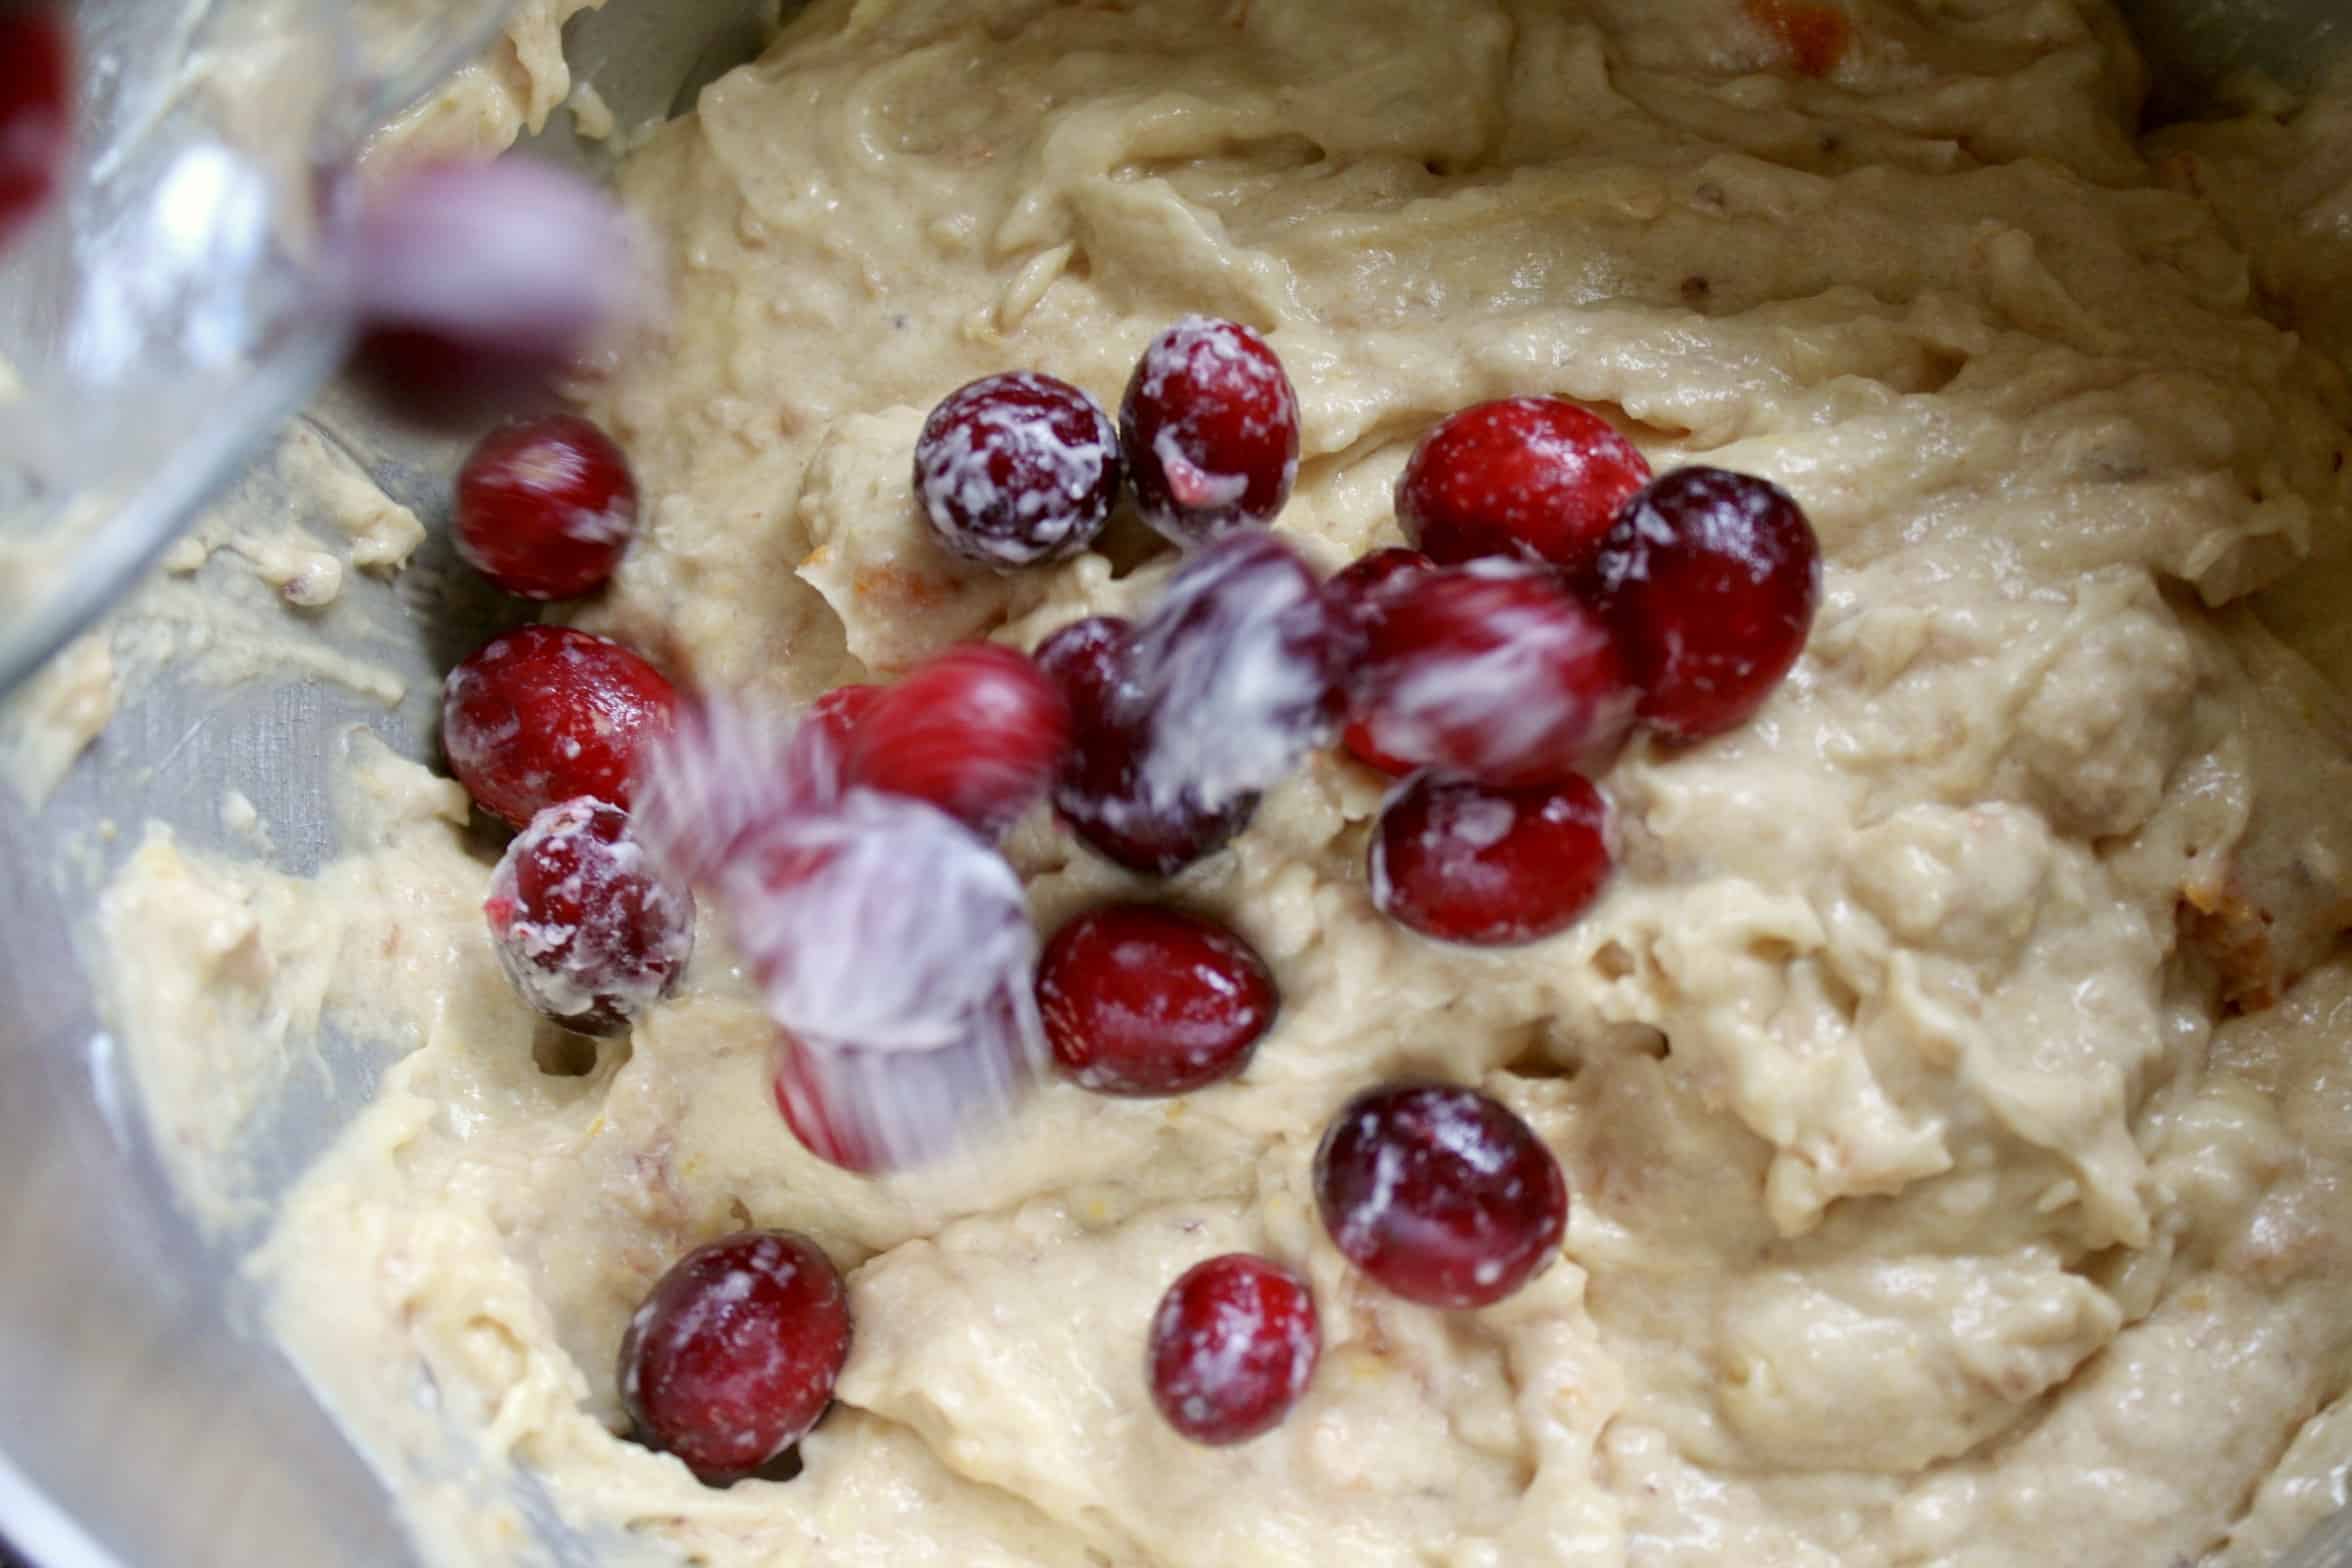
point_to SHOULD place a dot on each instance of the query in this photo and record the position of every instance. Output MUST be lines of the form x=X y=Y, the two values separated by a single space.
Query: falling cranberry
x=1493 y=671
x=1356 y=593
x=870 y=1109
x=837 y=714
x=1534 y=478
x=1467 y=862
x=894 y=950
x=1441 y=1194
x=1210 y=426
x=1087 y=658
x=587 y=929
x=1359 y=590
x=1099 y=791
x=1358 y=742
x=542 y=714
x=733 y=1357
x=475 y=283
x=1017 y=469
x=36 y=110
x=725 y=768
x=1711 y=579
x=801 y=1099
x=1233 y=1346
x=1142 y=1000
x=545 y=507
x=978 y=731
x=1238 y=667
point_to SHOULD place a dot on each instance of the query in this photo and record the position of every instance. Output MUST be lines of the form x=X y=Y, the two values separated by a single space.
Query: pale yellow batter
x=1923 y=1212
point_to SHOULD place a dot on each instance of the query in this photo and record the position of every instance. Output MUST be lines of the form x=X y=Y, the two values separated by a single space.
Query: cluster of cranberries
x=543 y=726
x=1556 y=596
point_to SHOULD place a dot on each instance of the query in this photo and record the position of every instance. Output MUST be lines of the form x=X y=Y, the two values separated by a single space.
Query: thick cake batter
x=1955 y=1086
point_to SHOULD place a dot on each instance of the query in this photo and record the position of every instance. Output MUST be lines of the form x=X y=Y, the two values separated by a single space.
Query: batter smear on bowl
x=1838 y=1058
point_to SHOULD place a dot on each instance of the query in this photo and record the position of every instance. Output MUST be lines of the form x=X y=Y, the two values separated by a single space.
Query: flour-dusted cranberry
x=1356 y=593
x=1233 y=1346
x=1238 y=669
x=475 y=282
x=978 y=731
x=1210 y=426
x=733 y=1357
x=1017 y=469
x=871 y=1109
x=1143 y=1000
x=1357 y=740
x=810 y=1117
x=1441 y=1194
x=1467 y=862
x=1711 y=580
x=893 y=947
x=1490 y=670
x=1099 y=792
x=36 y=110
x=1534 y=478
x=838 y=713
x=545 y=507
x=543 y=714
x=727 y=767
x=1359 y=590
x=586 y=926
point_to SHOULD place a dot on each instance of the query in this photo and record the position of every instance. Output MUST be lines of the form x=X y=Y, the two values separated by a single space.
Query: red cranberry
x=545 y=507
x=1018 y=469
x=1099 y=791
x=1355 y=593
x=733 y=1357
x=893 y=946
x=1357 y=740
x=477 y=282
x=1087 y=658
x=1529 y=477
x=587 y=929
x=1711 y=580
x=1814 y=36
x=36 y=111
x=1210 y=426
x=800 y=1097
x=1490 y=670
x=1233 y=1346
x=1141 y=1000
x=542 y=714
x=977 y=731
x=1465 y=862
x=1358 y=590
x=837 y=714
x=1441 y=1194
x=872 y=1109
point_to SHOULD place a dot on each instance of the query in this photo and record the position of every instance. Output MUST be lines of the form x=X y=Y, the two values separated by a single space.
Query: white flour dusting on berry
x=1210 y=430
x=1235 y=669
x=584 y=922
x=726 y=768
x=1490 y=670
x=878 y=922
x=1017 y=469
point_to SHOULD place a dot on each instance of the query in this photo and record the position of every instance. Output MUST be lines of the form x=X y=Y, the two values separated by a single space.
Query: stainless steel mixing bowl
x=142 y=1424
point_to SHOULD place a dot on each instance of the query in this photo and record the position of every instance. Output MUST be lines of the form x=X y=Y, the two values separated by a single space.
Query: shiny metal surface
x=142 y=1424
